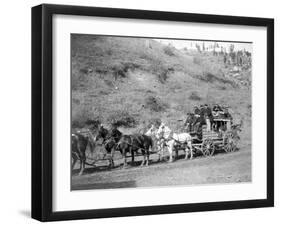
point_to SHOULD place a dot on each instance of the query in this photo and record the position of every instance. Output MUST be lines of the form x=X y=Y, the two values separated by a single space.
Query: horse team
x=155 y=140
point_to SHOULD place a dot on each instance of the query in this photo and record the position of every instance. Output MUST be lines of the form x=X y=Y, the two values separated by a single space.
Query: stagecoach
x=220 y=135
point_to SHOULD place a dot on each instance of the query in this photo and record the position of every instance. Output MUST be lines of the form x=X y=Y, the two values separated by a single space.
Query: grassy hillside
x=134 y=81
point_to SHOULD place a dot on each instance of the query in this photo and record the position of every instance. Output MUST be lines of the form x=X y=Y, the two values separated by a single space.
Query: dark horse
x=109 y=140
x=133 y=143
x=79 y=143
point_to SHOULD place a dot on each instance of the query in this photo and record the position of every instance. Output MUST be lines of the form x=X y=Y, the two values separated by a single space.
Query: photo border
x=42 y=119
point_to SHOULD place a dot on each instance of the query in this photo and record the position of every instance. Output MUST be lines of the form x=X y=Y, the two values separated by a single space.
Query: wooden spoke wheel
x=208 y=147
x=229 y=142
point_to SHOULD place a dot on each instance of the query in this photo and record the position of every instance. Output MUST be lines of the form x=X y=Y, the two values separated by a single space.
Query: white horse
x=170 y=139
x=151 y=131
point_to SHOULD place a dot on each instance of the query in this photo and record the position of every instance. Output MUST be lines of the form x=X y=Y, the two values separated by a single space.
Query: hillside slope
x=135 y=81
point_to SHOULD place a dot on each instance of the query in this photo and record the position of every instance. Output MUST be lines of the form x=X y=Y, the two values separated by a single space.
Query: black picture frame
x=42 y=107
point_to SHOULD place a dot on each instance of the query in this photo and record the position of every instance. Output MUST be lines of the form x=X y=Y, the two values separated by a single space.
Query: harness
x=108 y=140
x=163 y=140
x=169 y=138
x=137 y=138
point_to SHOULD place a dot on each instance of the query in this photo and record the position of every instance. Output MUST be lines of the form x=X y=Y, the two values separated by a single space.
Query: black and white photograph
x=154 y=112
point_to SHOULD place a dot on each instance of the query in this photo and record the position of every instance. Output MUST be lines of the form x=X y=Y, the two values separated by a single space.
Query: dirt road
x=220 y=168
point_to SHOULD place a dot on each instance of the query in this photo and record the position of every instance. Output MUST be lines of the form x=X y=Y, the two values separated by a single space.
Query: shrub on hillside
x=104 y=92
x=80 y=119
x=108 y=83
x=122 y=118
x=86 y=70
x=93 y=123
x=120 y=70
x=169 y=50
x=81 y=122
x=154 y=121
x=130 y=66
x=194 y=96
x=101 y=69
x=146 y=56
x=155 y=104
x=79 y=80
x=83 y=116
x=159 y=69
x=75 y=101
x=197 y=60
x=221 y=87
x=76 y=124
x=163 y=75
x=209 y=77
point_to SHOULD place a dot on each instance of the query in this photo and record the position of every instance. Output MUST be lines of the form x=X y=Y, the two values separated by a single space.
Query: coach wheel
x=229 y=142
x=208 y=147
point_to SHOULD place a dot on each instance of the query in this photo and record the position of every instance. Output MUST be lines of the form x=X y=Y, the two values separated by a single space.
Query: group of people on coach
x=216 y=112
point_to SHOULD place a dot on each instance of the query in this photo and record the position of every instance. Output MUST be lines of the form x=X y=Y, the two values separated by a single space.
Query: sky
x=190 y=44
